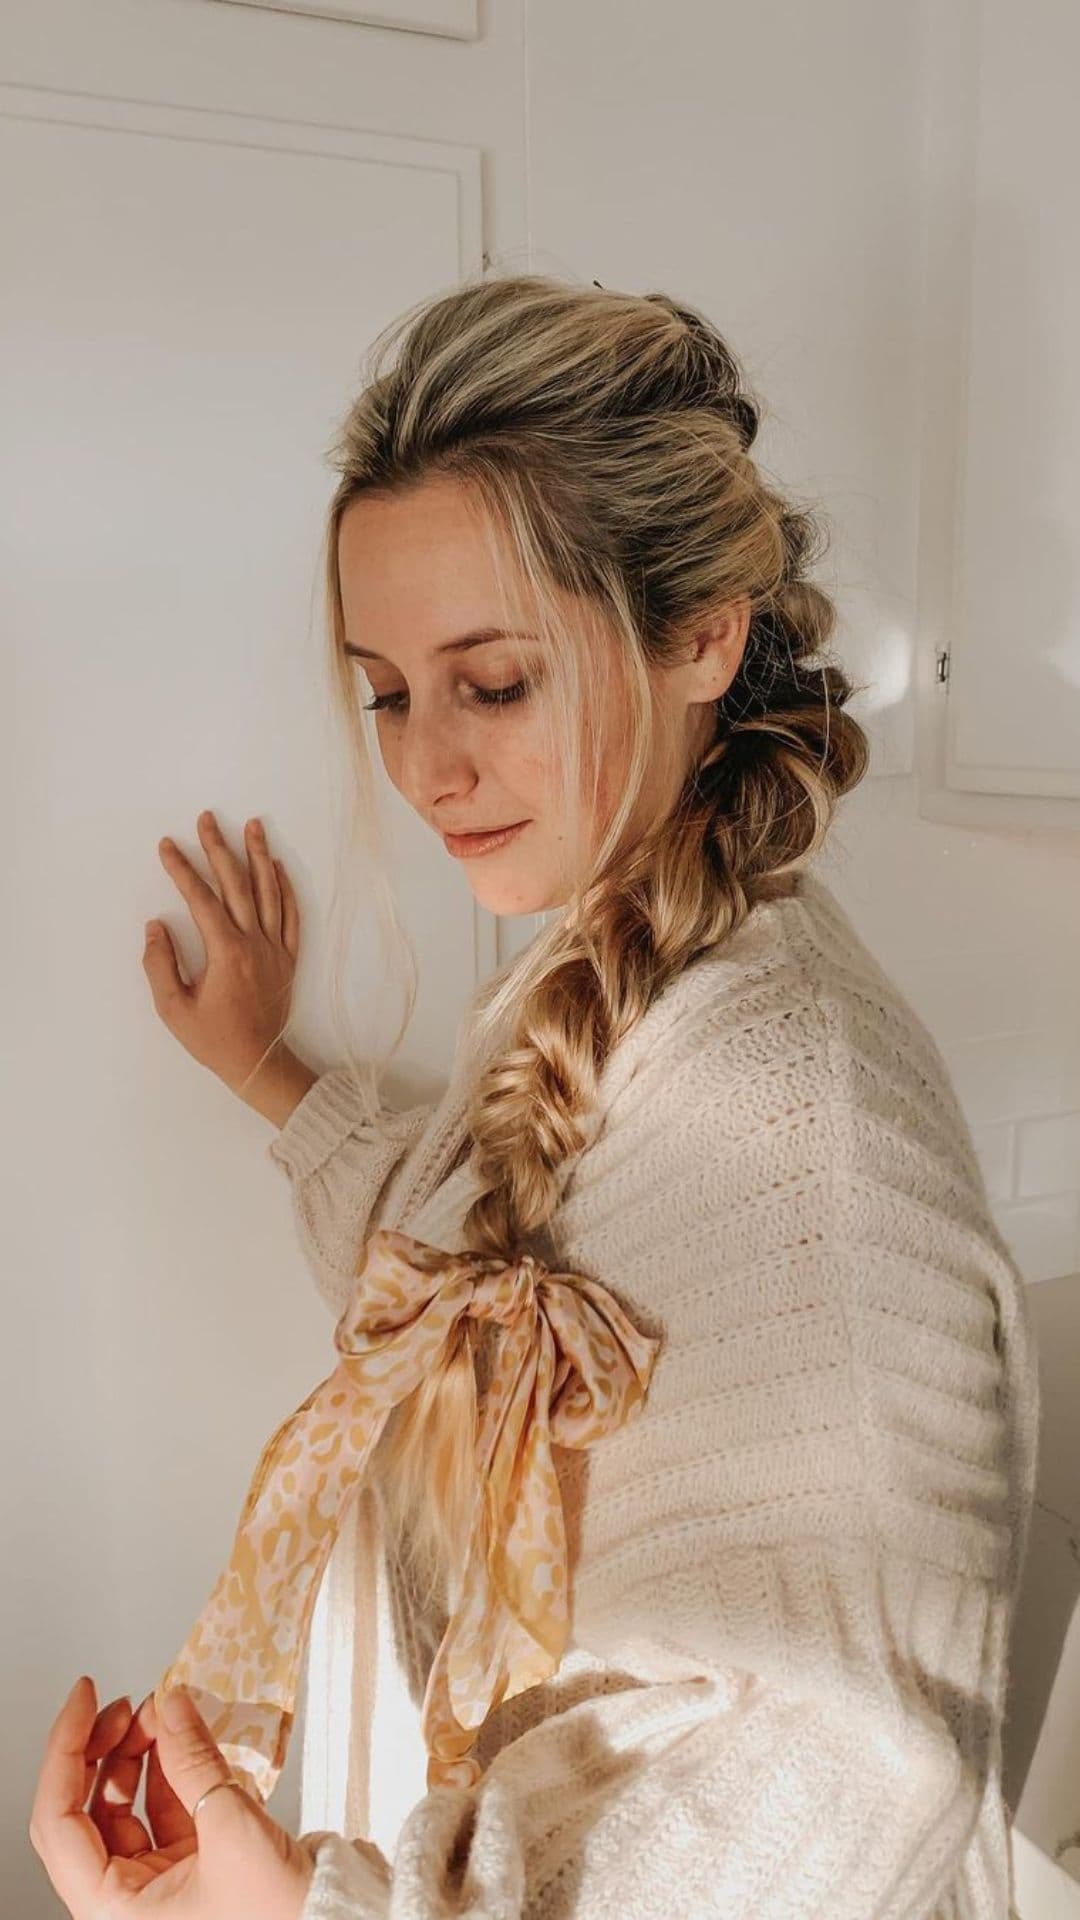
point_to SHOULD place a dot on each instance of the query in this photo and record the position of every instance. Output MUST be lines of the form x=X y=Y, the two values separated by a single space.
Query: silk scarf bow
x=569 y=1367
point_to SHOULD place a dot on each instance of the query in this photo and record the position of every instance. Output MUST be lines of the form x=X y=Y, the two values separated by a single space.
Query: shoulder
x=790 y=1022
x=783 y=1190
x=780 y=1090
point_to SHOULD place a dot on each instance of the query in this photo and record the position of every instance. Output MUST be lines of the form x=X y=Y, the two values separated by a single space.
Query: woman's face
x=417 y=581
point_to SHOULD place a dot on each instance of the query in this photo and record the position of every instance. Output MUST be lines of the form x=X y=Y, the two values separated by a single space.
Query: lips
x=476 y=843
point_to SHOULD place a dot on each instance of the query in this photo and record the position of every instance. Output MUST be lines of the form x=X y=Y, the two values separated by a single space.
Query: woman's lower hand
x=102 y=1861
x=231 y=1017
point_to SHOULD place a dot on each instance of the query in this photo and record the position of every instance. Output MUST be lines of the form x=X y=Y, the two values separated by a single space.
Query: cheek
x=389 y=751
x=508 y=754
x=514 y=754
x=527 y=769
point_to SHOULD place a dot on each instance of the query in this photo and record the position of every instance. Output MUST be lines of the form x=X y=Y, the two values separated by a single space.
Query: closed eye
x=482 y=697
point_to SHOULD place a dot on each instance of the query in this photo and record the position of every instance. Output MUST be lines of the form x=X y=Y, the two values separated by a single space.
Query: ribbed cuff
x=320 y=1120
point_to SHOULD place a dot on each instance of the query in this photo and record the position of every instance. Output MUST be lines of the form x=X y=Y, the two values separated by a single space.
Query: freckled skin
x=415 y=572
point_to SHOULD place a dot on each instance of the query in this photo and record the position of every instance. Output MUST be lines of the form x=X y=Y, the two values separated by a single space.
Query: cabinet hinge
x=942 y=659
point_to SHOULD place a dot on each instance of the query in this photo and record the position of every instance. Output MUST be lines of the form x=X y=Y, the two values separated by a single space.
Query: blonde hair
x=604 y=439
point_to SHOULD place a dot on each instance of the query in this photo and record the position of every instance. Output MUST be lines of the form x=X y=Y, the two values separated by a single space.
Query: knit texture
x=793 y=1577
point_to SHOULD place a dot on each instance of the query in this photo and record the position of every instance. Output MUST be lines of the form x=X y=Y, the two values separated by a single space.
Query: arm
x=338 y=1160
x=278 y=1087
x=336 y=1142
x=813 y=1534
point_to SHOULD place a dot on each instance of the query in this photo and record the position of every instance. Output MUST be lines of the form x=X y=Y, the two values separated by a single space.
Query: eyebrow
x=479 y=638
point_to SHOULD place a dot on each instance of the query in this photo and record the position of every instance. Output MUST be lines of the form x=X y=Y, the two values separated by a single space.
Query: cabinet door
x=1001 y=508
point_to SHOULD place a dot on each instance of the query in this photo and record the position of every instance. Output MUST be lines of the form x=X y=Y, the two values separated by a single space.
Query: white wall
x=768 y=164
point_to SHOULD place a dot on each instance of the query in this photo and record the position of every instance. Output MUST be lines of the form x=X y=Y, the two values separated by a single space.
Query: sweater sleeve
x=338 y=1160
x=806 y=1549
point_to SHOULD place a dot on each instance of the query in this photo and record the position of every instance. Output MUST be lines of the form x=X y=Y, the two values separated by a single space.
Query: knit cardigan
x=793 y=1577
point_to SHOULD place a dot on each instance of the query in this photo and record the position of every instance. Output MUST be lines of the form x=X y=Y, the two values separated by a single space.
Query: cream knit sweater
x=793 y=1577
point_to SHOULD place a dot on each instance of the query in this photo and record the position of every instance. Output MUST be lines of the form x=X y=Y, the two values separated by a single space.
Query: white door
x=209 y=211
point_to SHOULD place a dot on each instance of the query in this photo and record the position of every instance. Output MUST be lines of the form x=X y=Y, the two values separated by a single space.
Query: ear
x=717 y=648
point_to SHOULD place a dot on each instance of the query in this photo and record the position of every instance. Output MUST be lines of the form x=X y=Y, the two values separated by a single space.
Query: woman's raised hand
x=231 y=1017
x=103 y=1862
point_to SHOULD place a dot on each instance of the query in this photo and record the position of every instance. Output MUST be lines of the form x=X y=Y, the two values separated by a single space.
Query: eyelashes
x=481 y=697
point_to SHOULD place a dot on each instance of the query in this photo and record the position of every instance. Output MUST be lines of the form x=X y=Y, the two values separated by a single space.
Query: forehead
x=416 y=568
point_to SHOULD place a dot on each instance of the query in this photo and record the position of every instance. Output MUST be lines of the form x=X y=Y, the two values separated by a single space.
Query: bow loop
x=503 y=1294
x=569 y=1367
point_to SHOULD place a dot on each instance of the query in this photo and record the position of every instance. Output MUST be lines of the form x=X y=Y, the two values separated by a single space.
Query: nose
x=433 y=759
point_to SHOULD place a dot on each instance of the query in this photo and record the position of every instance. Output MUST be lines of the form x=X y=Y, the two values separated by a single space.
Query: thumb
x=167 y=989
x=190 y=1759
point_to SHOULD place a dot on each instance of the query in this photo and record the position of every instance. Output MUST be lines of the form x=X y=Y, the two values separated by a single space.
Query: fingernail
x=174 y=1706
x=151 y=929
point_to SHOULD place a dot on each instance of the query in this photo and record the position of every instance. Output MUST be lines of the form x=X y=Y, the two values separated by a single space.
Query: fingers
x=109 y=1726
x=212 y=918
x=251 y=894
x=166 y=1815
x=264 y=876
x=290 y=913
x=112 y=1802
x=66 y=1840
x=231 y=873
x=169 y=1819
x=167 y=984
x=189 y=1757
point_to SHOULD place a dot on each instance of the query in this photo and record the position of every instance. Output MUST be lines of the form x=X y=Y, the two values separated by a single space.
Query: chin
x=510 y=897
x=509 y=902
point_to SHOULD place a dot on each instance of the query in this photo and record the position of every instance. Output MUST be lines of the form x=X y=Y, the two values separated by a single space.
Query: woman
x=749 y=1654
